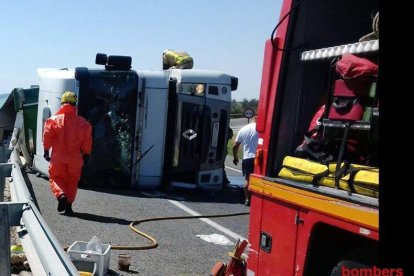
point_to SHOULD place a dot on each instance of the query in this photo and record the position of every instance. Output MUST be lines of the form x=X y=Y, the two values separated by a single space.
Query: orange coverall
x=69 y=136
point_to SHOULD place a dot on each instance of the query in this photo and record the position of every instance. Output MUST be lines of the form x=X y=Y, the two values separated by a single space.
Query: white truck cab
x=151 y=129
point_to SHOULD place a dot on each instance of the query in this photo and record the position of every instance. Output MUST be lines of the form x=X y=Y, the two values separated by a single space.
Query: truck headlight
x=197 y=89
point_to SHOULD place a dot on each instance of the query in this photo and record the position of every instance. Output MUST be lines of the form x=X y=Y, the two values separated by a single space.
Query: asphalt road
x=237 y=123
x=106 y=213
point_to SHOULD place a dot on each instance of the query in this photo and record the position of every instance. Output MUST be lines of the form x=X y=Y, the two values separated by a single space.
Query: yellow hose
x=154 y=242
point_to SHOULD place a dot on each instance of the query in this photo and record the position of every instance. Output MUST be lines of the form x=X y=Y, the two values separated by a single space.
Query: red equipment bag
x=348 y=109
x=314 y=146
x=351 y=88
x=351 y=67
x=347 y=97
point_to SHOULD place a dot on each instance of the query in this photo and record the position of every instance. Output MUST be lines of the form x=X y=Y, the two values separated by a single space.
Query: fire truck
x=300 y=227
x=151 y=129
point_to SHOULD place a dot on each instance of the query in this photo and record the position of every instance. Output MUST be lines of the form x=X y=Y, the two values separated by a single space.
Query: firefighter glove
x=46 y=155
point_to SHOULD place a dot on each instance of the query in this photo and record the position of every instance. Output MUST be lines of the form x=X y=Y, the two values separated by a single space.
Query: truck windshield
x=107 y=99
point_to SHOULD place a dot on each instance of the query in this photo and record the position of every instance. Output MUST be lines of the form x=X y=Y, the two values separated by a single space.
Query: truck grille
x=192 y=137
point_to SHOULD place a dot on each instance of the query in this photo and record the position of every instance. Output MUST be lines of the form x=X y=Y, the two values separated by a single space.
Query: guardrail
x=236 y=115
x=43 y=251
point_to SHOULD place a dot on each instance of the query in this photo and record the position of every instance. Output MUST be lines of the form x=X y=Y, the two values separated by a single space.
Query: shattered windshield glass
x=107 y=99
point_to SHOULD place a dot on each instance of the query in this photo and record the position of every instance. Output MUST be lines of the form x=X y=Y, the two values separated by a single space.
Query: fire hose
x=154 y=242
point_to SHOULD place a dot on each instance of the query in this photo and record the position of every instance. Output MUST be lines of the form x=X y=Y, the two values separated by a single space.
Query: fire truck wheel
x=347 y=264
x=360 y=258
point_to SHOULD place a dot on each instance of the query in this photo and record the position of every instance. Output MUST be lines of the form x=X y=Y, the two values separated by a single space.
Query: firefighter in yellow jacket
x=69 y=136
x=176 y=59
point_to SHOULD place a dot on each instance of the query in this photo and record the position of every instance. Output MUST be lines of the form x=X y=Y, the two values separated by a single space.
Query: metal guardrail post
x=5 y=171
x=4 y=154
x=10 y=214
x=4 y=241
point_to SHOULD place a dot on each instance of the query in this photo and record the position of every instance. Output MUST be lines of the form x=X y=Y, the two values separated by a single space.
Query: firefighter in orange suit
x=69 y=136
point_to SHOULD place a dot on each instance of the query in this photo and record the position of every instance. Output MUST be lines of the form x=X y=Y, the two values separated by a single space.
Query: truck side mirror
x=234 y=83
x=114 y=62
x=101 y=59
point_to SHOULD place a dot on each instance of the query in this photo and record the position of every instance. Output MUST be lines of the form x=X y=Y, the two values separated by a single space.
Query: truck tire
x=347 y=265
x=359 y=258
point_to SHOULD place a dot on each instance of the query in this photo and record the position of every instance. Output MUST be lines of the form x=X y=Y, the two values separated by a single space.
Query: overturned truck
x=151 y=129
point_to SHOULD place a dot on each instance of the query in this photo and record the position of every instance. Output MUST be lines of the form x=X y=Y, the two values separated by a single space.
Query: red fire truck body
x=295 y=228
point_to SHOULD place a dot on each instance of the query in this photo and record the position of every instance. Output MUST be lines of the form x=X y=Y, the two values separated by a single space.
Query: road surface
x=106 y=213
x=238 y=123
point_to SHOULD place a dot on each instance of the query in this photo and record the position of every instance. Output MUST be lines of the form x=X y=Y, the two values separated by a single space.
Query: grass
x=230 y=145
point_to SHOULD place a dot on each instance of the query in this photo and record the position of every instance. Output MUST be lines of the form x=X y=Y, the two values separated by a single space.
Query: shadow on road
x=98 y=218
x=232 y=194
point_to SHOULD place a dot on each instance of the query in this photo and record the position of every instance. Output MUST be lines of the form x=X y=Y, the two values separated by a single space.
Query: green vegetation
x=237 y=108
x=230 y=145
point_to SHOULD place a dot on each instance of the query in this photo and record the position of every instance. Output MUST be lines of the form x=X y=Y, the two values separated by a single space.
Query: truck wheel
x=347 y=265
x=359 y=258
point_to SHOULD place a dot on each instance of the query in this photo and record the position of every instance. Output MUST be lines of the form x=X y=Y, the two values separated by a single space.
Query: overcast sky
x=224 y=35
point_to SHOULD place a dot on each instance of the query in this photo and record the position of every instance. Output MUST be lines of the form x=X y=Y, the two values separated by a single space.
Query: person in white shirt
x=247 y=136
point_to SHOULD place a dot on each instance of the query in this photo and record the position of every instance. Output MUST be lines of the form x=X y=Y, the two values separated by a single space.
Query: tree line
x=237 y=107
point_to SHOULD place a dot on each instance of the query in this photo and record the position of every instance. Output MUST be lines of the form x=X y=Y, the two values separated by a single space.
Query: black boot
x=69 y=210
x=62 y=203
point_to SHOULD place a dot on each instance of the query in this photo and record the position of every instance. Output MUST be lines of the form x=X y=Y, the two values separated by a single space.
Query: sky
x=223 y=35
